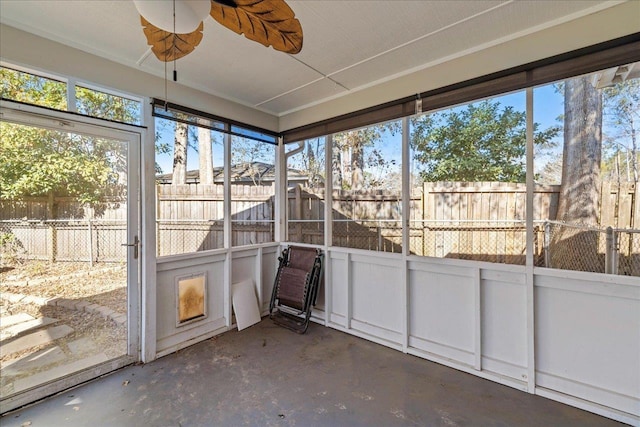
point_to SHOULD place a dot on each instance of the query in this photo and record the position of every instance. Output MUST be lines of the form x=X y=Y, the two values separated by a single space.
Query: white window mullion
x=406 y=206
x=531 y=367
x=71 y=95
x=227 y=229
x=328 y=192
x=280 y=209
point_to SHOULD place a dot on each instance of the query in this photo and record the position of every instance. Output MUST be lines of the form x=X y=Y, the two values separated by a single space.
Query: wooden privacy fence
x=480 y=221
x=191 y=216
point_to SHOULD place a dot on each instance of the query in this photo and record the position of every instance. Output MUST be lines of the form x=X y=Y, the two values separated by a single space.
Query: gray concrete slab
x=32 y=361
x=6 y=321
x=268 y=376
x=34 y=339
x=13 y=330
x=82 y=345
x=60 y=371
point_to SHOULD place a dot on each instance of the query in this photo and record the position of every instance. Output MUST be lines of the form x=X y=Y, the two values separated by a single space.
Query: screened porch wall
x=574 y=338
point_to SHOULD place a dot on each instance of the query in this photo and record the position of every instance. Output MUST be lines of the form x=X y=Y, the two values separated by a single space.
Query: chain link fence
x=584 y=248
x=63 y=240
x=184 y=236
x=490 y=241
x=383 y=235
x=628 y=252
x=556 y=244
x=102 y=240
x=309 y=231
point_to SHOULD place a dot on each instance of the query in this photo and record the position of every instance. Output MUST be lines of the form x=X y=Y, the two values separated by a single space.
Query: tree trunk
x=336 y=166
x=575 y=248
x=312 y=167
x=180 y=154
x=357 y=165
x=205 y=154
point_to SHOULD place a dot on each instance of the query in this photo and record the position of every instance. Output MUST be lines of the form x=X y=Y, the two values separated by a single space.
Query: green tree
x=483 y=142
x=31 y=89
x=106 y=106
x=42 y=162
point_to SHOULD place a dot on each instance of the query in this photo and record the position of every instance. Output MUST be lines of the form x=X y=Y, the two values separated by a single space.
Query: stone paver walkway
x=71 y=304
x=21 y=332
x=35 y=339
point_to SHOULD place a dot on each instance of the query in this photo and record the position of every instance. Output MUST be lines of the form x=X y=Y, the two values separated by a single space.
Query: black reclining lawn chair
x=296 y=287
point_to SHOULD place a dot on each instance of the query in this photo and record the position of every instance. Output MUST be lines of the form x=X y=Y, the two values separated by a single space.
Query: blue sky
x=548 y=105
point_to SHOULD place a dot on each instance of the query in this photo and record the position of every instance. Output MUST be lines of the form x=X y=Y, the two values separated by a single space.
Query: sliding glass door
x=69 y=233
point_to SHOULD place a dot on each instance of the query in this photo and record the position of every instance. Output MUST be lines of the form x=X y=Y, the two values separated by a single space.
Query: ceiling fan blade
x=170 y=46
x=269 y=22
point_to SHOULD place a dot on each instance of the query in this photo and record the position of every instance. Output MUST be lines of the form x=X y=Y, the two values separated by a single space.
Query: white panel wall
x=588 y=340
x=467 y=315
x=339 y=287
x=504 y=323
x=169 y=336
x=258 y=264
x=269 y=268
x=441 y=310
x=376 y=296
x=473 y=317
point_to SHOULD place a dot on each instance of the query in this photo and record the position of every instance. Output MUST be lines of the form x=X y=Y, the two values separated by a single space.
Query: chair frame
x=292 y=318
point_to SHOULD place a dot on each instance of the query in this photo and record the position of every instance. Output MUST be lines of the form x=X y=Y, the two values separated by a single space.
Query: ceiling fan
x=174 y=27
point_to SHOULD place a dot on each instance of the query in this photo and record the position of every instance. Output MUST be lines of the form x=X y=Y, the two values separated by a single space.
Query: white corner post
x=280 y=208
x=406 y=244
x=148 y=238
x=227 y=229
x=328 y=228
x=529 y=279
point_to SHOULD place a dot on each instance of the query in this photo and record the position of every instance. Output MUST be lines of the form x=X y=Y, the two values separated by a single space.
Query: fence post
x=90 y=242
x=53 y=245
x=547 y=244
x=298 y=211
x=158 y=239
x=611 y=258
x=616 y=252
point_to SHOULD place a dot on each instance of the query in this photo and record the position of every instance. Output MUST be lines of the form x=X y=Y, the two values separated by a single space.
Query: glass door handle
x=135 y=245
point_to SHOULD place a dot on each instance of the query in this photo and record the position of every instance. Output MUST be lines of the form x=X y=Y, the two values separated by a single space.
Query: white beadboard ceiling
x=348 y=45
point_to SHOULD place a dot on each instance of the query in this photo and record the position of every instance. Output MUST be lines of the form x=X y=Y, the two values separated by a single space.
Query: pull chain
x=175 y=36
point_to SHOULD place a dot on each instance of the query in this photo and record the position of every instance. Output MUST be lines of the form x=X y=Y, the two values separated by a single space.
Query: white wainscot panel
x=243 y=266
x=588 y=340
x=269 y=270
x=320 y=297
x=442 y=310
x=339 y=288
x=377 y=296
x=504 y=323
x=170 y=336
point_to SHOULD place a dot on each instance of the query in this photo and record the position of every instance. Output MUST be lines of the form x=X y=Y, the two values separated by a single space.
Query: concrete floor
x=269 y=376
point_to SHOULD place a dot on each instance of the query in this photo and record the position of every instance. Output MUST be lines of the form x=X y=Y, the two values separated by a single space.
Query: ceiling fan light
x=189 y=13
